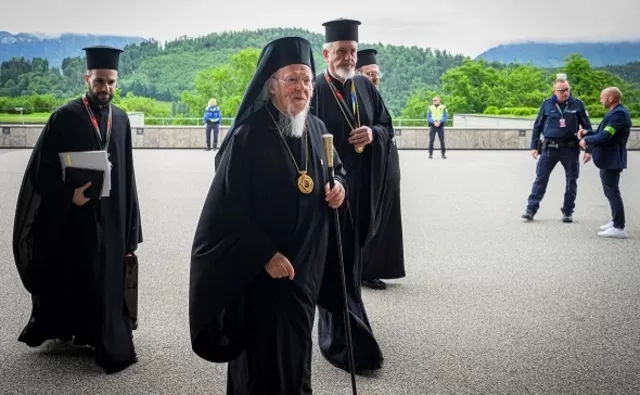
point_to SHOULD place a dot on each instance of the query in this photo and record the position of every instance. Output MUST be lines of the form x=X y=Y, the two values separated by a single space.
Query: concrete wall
x=489 y=122
x=482 y=122
x=186 y=137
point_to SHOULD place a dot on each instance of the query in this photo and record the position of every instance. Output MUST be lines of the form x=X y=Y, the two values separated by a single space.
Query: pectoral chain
x=305 y=182
x=356 y=107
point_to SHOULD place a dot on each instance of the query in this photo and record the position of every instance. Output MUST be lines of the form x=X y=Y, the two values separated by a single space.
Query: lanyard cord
x=104 y=145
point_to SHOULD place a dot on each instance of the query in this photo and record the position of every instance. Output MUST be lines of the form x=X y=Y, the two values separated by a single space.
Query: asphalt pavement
x=490 y=304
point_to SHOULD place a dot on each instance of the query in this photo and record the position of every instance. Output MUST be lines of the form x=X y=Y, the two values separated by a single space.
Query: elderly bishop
x=260 y=247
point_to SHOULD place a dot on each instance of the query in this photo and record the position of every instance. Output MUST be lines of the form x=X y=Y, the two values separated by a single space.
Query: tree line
x=477 y=87
x=411 y=78
x=166 y=71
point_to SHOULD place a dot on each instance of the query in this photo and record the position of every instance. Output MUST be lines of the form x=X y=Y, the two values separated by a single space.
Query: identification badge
x=563 y=123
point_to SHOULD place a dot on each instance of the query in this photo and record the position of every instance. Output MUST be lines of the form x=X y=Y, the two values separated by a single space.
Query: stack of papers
x=94 y=160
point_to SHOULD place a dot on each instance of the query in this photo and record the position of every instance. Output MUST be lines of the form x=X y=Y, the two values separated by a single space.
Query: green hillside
x=164 y=73
x=172 y=83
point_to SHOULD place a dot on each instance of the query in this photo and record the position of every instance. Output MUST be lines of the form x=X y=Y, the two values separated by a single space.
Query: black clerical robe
x=365 y=185
x=237 y=312
x=71 y=258
x=384 y=255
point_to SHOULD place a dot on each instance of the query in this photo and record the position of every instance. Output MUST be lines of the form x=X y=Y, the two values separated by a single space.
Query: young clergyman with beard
x=70 y=250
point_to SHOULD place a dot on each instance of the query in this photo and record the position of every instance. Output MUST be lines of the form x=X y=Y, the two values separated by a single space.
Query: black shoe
x=208 y=149
x=430 y=156
x=444 y=156
x=567 y=218
x=374 y=284
x=528 y=216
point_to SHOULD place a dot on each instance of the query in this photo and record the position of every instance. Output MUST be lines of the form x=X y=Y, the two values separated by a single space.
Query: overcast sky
x=458 y=26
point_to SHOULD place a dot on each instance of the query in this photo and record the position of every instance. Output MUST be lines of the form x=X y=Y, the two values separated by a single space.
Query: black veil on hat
x=275 y=55
x=102 y=57
x=366 y=57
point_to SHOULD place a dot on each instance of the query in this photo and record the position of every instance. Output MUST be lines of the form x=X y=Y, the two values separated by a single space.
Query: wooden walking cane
x=327 y=141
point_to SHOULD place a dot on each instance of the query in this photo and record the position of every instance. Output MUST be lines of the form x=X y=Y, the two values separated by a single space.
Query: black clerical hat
x=274 y=56
x=366 y=57
x=102 y=57
x=341 y=30
x=284 y=52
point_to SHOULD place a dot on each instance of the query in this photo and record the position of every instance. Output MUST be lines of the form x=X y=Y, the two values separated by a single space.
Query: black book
x=77 y=177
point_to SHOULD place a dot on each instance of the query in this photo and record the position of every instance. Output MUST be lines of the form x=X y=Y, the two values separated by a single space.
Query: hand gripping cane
x=327 y=141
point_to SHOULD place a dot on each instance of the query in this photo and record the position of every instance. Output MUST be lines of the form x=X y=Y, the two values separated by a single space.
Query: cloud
x=458 y=26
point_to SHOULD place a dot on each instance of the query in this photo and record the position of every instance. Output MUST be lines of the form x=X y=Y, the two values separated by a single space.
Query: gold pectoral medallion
x=305 y=183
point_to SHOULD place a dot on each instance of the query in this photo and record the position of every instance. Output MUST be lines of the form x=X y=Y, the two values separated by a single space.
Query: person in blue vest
x=212 y=118
x=559 y=120
x=437 y=116
x=609 y=149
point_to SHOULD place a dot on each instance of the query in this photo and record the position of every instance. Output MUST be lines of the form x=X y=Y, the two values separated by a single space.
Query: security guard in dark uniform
x=609 y=148
x=559 y=120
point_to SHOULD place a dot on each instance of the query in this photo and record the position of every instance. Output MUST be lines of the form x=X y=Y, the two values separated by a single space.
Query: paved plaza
x=490 y=305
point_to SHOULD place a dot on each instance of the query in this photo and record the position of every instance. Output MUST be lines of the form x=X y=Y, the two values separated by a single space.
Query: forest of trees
x=165 y=73
x=177 y=80
x=478 y=88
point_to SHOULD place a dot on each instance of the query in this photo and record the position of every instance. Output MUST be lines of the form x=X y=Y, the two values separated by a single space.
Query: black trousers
x=569 y=158
x=432 y=136
x=216 y=130
x=610 y=185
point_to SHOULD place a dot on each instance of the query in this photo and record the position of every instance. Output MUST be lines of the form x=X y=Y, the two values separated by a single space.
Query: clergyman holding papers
x=70 y=242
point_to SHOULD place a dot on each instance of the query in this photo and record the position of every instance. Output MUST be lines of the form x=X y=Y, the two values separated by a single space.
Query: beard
x=345 y=73
x=101 y=101
x=293 y=125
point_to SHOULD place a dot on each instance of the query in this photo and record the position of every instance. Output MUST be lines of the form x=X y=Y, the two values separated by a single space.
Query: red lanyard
x=104 y=145
x=354 y=102
x=340 y=98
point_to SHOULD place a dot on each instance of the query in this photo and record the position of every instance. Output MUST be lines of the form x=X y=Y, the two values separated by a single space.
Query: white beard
x=345 y=74
x=293 y=125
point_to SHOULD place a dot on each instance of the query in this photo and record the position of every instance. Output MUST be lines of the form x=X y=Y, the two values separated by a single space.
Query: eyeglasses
x=292 y=82
x=374 y=74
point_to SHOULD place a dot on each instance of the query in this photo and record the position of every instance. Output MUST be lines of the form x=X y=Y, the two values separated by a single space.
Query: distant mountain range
x=542 y=54
x=550 y=55
x=55 y=49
